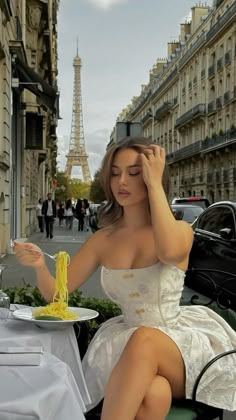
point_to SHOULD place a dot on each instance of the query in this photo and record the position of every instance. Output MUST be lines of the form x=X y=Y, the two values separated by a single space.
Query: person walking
x=79 y=211
x=60 y=214
x=69 y=214
x=39 y=214
x=49 y=211
x=86 y=213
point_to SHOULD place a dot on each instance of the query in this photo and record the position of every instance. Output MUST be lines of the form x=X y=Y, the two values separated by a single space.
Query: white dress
x=151 y=297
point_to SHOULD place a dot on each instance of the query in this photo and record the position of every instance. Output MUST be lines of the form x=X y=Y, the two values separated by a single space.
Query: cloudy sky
x=119 y=41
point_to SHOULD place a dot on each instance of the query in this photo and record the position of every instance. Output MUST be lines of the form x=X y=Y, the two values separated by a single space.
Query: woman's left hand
x=153 y=164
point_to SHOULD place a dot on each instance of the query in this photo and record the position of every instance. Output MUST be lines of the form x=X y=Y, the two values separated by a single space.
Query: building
x=189 y=104
x=28 y=112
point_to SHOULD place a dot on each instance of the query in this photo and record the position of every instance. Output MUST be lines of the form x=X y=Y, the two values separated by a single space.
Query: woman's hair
x=68 y=204
x=111 y=211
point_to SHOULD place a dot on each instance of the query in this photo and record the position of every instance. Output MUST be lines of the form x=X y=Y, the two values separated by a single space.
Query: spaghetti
x=59 y=306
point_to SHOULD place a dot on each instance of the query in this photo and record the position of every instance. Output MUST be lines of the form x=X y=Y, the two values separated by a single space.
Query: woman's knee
x=157 y=400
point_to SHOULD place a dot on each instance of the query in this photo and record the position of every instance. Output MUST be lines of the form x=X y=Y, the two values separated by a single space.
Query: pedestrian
x=69 y=214
x=49 y=212
x=60 y=213
x=154 y=352
x=39 y=214
x=79 y=211
x=86 y=213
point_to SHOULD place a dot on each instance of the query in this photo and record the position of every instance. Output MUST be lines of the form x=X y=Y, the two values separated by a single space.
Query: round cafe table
x=61 y=343
x=45 y=392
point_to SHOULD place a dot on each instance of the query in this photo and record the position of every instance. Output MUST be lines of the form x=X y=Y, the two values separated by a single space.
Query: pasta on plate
x=59 y=306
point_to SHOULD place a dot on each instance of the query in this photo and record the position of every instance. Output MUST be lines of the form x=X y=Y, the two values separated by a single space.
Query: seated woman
x=138 y=361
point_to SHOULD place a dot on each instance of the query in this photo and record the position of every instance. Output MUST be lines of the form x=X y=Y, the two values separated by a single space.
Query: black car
x=186 y=212
x=202 y=202
x=212 y=262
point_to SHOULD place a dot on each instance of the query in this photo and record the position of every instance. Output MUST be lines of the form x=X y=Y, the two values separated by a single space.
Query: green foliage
x=97 y=194
x=70 y=188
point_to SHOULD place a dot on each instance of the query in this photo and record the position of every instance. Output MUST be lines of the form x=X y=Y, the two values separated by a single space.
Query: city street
x=63 y=240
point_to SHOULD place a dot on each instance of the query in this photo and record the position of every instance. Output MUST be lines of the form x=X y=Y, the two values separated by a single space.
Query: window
x=216 y=219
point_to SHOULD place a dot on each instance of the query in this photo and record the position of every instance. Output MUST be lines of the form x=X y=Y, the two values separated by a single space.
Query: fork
x=32 y=250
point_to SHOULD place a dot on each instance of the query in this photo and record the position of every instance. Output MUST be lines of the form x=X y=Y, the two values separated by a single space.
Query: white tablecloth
x=45 y=392
x=62 y=343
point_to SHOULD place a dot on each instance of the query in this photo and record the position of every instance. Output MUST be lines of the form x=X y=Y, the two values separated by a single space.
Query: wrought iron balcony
x=194 y=113
x=227 y=57
x=230 y=13
x=163 y=110
x=192 y=49
x=219 y=103
x=211 y=71
x=146 y=117
x=227 y=96
x=201 y=146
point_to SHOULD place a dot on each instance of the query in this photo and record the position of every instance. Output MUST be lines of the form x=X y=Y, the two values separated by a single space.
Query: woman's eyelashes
x=130 y=174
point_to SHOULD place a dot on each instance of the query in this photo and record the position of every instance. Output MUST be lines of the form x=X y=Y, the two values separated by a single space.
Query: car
x=196 y=201
x=212 y=261
x=186 y=212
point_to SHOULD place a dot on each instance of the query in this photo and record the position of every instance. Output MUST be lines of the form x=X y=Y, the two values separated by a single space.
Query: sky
x=119 y=42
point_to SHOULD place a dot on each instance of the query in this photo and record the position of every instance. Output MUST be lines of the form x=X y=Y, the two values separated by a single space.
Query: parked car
x=212 y=262
x=186 y=212
x=196 y=201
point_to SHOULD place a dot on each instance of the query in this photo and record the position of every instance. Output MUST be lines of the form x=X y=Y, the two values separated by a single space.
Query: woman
x=69 y=214
x=156 y=349
x=39 y=214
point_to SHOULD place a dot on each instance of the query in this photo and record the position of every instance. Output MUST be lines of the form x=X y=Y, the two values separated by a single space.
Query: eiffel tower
x=77 y=155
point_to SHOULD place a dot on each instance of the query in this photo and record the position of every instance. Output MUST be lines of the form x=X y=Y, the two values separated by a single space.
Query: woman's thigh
x=169 y=359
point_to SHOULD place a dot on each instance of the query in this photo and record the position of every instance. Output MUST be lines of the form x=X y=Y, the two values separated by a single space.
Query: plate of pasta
x=50 y=321
x=57 y=314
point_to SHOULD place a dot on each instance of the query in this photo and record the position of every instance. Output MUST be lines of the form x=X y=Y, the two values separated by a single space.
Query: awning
x=47 y=95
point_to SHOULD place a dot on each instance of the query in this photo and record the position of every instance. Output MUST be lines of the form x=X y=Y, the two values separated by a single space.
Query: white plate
x=84 y=314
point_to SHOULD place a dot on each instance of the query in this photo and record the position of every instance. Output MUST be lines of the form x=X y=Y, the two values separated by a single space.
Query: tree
x=97 y=194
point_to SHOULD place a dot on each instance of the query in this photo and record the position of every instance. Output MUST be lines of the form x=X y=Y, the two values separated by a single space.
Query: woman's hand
x=153 y=164
x=29 y=254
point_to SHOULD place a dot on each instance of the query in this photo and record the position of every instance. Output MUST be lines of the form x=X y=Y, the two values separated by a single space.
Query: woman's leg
x=149 y=354
x=157 y=400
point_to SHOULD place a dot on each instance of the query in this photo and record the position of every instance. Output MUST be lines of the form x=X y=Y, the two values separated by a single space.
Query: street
x=63 y=240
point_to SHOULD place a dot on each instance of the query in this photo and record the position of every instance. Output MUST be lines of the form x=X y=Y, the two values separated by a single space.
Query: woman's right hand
x=29 y=254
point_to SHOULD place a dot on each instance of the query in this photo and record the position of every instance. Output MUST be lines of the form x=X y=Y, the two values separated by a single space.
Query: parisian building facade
x=28 y=112
x=189 y=104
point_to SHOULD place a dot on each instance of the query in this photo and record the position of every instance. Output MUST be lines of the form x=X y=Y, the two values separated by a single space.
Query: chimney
x=172 y=47
x=185 y=29
x=198 y=12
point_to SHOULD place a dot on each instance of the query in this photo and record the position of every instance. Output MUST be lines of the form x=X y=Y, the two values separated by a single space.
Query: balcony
x=221 y=22
x=220 y=64
x=204 y=146
x=193 y=114
x=203 y=73
x=192 y=49
x=228 y=58
x=219 y=103
x=211 y=71
x=163 y=110
x=148 y=116
x=227 y=97
x=211 y=107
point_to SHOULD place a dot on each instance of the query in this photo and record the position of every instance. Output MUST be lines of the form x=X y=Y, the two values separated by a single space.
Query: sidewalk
x=63 y=240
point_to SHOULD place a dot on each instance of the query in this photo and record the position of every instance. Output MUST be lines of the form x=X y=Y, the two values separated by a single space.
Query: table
x=61 y=343
x=44 y=392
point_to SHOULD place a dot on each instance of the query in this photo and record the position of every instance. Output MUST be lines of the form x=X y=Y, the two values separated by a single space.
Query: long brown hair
x=111 y=212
